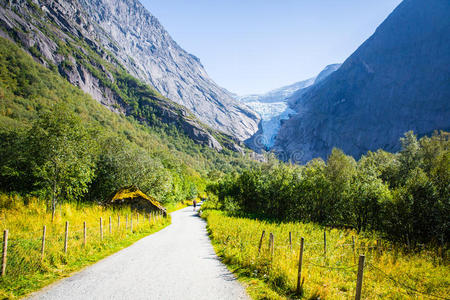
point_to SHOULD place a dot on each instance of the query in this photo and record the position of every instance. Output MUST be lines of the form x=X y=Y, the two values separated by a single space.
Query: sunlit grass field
x=27 y=270
x=390 y=272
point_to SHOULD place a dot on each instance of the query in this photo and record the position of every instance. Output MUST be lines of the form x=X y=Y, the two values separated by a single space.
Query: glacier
x=273 y=106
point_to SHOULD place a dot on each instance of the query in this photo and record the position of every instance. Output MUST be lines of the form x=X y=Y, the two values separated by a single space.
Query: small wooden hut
x=133 y=197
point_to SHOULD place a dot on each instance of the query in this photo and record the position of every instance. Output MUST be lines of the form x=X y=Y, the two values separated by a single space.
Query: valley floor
x=177 y=262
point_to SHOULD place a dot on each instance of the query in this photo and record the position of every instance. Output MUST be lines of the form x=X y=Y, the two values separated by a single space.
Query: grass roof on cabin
x=132 y=192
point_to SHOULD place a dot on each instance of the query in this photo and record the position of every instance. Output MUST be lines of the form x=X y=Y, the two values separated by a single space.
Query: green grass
x=25 y=218
x=391 y=273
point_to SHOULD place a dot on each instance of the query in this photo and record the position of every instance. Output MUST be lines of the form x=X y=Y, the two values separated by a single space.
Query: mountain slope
x=126 y=152
x=62 y=37
x=398 y=80
x=148 y=52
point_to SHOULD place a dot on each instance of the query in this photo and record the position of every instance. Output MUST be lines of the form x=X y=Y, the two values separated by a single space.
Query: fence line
x=21 y=256
x=368 y=254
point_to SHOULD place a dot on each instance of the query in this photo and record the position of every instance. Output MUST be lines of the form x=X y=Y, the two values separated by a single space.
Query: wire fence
x=329 y=267
x=334 y=257
x=56 y=245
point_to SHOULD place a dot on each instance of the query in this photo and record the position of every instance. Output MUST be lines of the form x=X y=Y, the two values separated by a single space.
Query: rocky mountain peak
x=148 y=52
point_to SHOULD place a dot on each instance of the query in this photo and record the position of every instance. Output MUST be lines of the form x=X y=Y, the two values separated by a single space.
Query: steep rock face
x=398 y=80
x=59 y=35
x=148 y=52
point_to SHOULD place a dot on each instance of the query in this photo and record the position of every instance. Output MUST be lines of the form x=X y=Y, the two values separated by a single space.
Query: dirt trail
x=177 y=262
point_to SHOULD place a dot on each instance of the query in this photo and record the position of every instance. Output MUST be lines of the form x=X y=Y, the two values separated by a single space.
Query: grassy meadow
x=24 y=218
x=391 y=272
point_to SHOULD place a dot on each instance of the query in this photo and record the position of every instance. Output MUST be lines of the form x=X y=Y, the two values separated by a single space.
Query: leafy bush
x=405 y=196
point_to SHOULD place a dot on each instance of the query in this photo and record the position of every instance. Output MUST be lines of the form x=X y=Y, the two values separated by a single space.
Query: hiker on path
x=195 y=204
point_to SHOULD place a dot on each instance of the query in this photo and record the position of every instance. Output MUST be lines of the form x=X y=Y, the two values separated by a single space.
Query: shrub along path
x=177 y=262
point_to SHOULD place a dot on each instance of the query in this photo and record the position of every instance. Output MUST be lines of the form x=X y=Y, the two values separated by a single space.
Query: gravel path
x=177 y=262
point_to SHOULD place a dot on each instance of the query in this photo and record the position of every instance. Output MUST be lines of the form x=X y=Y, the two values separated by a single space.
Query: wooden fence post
x=353 y=248
x=260 y=241
x=300 y=262
x=101 y=228
x=149 y=218
x=110 y=228
x=66 y=237
x=271 y=244
x=131 y=222
x=359 y=279
x=290 y=240
x=325 y=243
x=84 y=234
x=270 y=240
x=5 y=251
x=137 y=220
x=43 y=242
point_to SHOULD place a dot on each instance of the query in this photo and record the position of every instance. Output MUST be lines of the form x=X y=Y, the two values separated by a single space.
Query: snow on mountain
x=278 y=95
x=273 y=106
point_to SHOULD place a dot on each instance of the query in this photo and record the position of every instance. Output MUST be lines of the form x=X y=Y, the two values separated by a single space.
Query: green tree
x=369 y=195
x=15 y=169
x=311 y=193
x=409 y=156
x=63 y=154
x=192 y=191
x=340 y=171
x=122 y=164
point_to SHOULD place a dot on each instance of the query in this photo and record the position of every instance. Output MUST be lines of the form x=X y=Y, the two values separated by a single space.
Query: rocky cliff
x=61 y=35
x=148 y=52
x=398 y=80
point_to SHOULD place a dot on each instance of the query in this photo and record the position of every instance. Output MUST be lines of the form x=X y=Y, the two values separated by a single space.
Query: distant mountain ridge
x=396 y=81
x=277 y=95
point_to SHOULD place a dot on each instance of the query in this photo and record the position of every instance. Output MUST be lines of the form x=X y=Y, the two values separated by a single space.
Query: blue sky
x=252 y=46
